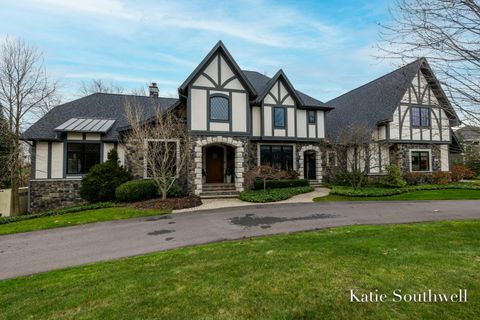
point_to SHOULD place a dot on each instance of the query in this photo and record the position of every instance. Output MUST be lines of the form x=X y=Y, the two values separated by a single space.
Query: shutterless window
x=219 y=109
x=81 y=157
x=420 y=117
x=278 y=157
x=420 y=160
x=312 y=117
x=279 y=117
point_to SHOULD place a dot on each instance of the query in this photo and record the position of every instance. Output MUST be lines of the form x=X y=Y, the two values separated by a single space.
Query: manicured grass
x=273 y=195
x=81 y=217
x=455 y=194
x=297 y=276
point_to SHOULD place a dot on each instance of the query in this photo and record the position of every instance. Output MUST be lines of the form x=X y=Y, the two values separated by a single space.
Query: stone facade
x=195 y=165
x=400 y=155
x=53 y=194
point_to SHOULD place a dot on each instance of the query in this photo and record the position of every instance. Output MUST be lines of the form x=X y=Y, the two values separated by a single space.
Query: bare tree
x=99 y=86
x=163 y=141
x=25 y=91
x=356 y=153
x=446 y=32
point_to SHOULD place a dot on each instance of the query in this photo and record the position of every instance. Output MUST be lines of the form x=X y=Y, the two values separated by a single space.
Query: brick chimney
x=153 y=90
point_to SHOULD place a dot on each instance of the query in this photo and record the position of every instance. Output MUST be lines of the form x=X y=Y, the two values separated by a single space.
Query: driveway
x=33 y=252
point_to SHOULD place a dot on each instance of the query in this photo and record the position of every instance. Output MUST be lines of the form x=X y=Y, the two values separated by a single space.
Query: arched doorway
x=310 y=165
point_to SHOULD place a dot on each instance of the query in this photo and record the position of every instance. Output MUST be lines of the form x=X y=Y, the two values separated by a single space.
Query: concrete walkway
x=32 y=252
x=209 y=204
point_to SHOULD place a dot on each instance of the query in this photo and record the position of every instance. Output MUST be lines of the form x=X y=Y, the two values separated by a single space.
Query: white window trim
x=328 y=158
x=294 y=150
x=145 y=150
x=421 y=150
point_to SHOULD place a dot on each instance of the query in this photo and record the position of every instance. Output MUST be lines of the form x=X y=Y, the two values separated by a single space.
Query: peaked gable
x=375 y=102
x=278 y=90
x=218 y=70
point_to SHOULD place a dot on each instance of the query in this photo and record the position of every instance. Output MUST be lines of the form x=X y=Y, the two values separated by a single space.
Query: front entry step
x=315 y=183
x=219 y=190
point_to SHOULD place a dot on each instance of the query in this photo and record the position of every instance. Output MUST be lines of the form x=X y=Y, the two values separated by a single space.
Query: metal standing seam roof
x=86 y=125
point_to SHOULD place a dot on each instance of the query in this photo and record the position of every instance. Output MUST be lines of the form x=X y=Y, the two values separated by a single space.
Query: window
x=81 y=157
x=312 y=117
x=332 y=158
x=162 y=157
x=420 y=117
x=278 y=157
x=219 y=109
x=279 y=117
x=420 y=160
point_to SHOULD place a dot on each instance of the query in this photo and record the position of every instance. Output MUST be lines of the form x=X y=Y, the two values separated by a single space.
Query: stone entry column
x=198 y=160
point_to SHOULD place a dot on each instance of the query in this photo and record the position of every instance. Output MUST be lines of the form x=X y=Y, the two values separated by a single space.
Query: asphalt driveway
x=39 y=251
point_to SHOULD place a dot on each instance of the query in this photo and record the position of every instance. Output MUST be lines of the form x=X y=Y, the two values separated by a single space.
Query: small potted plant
x=228 y=175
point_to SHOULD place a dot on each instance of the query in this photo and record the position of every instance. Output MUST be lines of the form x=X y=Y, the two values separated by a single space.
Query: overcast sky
x=325 y=47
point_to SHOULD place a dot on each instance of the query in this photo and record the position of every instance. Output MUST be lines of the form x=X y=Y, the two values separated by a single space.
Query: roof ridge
x=379 y=78
x=126 y=94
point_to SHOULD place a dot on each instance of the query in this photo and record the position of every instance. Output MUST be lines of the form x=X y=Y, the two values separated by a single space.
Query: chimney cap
x=153 y=90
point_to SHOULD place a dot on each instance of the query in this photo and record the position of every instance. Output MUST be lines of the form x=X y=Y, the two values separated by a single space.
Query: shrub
x=393 y=178
x=136 y=190
x=272 y=195
x=101 y=181
x=439 y=177
x=416 y=178
x=175 y=191
x=274 y=184
x=460 y=172
x=381 y=192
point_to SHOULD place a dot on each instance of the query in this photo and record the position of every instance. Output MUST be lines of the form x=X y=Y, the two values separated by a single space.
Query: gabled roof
x=375 y=102
x=95 y=106
x=219 y=47
x=262 y=84
x=280 y=75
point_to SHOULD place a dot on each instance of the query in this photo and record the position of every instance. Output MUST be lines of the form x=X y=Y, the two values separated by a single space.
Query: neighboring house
x=470 y=136
x=408 y=116
x=238 y=119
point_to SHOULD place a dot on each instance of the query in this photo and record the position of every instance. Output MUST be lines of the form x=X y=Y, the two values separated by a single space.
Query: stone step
x=221 y=192
x=220 y=188
x=221 y=196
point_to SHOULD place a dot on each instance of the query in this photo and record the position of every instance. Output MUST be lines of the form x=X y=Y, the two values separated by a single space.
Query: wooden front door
x=214 y=164
x=310 y=166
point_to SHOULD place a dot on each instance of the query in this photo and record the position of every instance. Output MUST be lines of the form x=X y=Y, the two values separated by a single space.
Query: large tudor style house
x=238 y=119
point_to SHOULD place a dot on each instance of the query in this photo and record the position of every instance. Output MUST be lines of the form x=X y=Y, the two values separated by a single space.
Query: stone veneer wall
x=400 y=155
x=53 y=194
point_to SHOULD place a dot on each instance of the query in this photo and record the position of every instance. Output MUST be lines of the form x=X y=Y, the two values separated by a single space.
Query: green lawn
x=297 y=276
x=446 y=194
x=81 y=217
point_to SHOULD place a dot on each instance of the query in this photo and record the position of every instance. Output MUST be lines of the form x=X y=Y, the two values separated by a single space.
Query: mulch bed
x=169 y=203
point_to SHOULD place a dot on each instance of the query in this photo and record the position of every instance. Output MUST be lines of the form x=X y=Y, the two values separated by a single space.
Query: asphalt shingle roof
x=99 y=106
x=370 y=103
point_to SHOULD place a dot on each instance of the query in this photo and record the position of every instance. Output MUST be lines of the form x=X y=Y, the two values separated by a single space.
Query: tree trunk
x=164 y=194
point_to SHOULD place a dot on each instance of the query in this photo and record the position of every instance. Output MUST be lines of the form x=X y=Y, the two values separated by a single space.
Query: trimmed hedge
x=382 y=192
x=136 y=190
x=273 y=195
x=276 y=184
x=99 y=205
